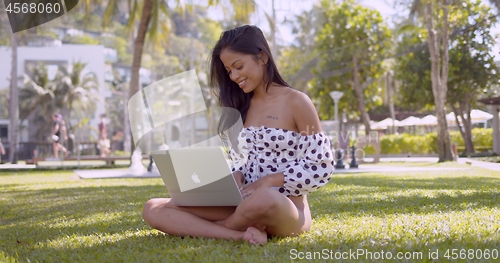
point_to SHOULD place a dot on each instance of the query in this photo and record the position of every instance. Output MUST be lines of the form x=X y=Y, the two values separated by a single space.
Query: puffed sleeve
x=238 y=161
x=312 y=168
x=239 y=154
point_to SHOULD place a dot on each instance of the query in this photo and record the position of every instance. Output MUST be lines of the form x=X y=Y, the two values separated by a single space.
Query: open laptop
x=198 y=177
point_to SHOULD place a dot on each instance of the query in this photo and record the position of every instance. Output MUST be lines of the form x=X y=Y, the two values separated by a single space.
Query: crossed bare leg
x=266 y=211
x=255 y=236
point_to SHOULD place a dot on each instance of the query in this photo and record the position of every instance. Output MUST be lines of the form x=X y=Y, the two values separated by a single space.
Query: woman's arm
x=311 y=170
x=304 y=114
x=314 y=164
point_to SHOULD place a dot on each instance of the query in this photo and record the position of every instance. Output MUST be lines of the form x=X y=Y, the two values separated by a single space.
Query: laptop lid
x=198 y=177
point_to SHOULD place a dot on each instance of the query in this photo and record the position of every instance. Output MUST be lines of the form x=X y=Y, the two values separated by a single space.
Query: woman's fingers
x=247 y=190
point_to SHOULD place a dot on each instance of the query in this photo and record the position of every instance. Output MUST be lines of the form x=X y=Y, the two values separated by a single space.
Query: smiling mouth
x=242 y=83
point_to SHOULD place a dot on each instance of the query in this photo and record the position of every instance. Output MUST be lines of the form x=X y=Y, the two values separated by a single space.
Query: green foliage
x=472 y=67
x=402 y=144
x=121 y=46
x=181 y=47
x=120 y=153
x=482 y=137
x=83 y=40
x=413 y=71
x=350 y=30
x=210 y=30
x=369 y=149
x=49 y=216
x=293 y=62
x=296 y=61
x=427 y=144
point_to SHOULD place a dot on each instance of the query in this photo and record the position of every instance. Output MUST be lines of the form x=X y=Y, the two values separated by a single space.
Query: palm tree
x=152 y=15
x=36 y=94
x=36 y=98
x=71 y=92
x=13 y=105
x=74 y=87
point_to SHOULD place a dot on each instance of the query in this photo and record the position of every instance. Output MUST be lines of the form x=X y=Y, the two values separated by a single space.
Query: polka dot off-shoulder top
x=306 y=161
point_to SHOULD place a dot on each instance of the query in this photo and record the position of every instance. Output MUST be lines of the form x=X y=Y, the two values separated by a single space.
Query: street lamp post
x=336 y=95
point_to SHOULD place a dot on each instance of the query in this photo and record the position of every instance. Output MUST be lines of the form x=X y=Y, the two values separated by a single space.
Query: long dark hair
x=245 y=39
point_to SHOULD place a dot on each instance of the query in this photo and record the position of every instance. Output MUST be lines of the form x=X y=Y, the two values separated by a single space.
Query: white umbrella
x=410 y=121
x=362 y=126
x=450 y=118
x=383 y=124
x=475 y=116
x=428 y=120
x=480 y=116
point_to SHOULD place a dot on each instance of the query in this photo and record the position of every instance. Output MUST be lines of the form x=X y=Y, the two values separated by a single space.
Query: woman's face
x=244 y=70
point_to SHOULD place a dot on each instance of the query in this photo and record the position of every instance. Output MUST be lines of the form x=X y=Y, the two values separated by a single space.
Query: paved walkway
x=485 y=165
x=113 y=173
x=363 y=168
x=16 y=166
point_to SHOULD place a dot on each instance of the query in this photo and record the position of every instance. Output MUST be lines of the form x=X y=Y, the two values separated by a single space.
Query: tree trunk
x=469 y=145
x=361 y=98
x=138 y=49
x=272 y=25
x=457 y=120
x=13 y=105
x=68 y=114
x=388 y=88
x=465 y=131
x=439 y=81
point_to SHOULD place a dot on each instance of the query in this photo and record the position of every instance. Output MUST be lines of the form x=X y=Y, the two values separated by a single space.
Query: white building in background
x=53 y=57
x=98 y=58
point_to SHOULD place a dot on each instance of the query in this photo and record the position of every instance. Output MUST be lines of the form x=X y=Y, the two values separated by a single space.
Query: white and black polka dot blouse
x=306 y=161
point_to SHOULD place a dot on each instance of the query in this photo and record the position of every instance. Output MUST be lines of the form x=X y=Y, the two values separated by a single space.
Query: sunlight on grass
x=55 y=217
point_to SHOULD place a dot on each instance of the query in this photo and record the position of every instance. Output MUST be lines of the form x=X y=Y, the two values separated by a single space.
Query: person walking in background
x=103 y=143
x=56 y=137
x=63 y=126
x=64 y=132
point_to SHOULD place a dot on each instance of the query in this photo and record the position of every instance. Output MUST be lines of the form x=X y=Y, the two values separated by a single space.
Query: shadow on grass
x=380 y=196
x=435 y=183
x=99 y=224
x=103 y=223
x=157 y=247
x=75 y=202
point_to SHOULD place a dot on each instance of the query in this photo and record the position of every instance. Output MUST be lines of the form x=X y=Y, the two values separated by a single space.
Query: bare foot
x=255 y=236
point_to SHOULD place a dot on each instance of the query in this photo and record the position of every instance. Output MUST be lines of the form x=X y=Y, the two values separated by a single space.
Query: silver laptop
x=198 y=177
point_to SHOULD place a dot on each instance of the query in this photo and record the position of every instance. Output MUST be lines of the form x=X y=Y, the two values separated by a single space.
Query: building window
x=4 y=133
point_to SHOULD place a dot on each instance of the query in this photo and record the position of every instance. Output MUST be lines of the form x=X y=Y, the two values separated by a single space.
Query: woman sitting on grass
x=286 y=155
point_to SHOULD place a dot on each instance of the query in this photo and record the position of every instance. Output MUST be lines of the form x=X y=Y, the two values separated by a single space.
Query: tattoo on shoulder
x=272 y=117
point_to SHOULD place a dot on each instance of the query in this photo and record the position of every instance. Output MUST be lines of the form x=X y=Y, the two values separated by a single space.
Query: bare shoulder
x=304 y=113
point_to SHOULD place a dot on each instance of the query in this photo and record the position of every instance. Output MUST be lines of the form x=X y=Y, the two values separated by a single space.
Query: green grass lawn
x=56 y=217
